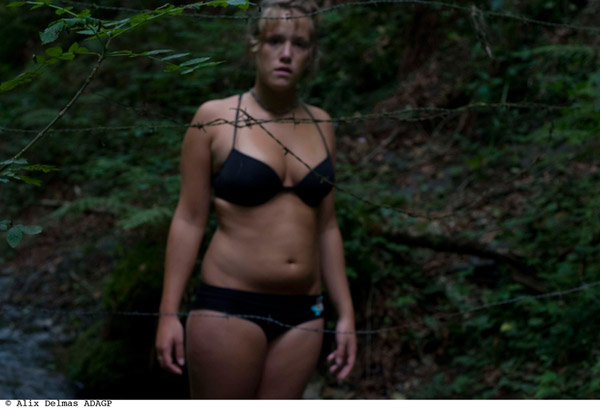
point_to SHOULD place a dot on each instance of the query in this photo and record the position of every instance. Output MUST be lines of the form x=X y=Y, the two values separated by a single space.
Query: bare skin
x=282 y=246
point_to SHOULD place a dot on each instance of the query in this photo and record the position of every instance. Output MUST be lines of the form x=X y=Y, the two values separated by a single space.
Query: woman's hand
x=345 y=353
x=169 y=344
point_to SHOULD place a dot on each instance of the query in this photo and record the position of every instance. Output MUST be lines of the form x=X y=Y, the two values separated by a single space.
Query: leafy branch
x=104 y=31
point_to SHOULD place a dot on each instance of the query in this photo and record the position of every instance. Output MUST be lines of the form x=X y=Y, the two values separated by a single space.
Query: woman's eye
x=301 y=44
x=274 y=41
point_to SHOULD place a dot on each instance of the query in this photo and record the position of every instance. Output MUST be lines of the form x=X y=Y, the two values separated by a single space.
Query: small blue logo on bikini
x=318 y=307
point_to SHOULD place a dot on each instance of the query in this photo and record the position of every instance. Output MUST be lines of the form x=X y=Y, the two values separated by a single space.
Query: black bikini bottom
x=273 y=313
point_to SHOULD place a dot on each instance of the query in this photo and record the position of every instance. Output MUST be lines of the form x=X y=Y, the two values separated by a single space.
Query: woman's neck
x=276 y=102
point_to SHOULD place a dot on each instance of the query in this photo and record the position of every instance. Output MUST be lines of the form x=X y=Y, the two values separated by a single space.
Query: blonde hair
x=271 y=9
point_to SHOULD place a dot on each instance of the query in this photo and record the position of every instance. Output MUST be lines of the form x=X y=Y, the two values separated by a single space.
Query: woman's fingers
x=333 y=359
x=343 y=357
x=179 y=353
x=349 y=360
x=165 y=359
x=169 y=345
x=341 y=351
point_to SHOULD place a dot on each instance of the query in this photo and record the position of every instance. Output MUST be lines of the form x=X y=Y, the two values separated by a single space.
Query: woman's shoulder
x=217 y=108
x=211 y=116
x=318 y=113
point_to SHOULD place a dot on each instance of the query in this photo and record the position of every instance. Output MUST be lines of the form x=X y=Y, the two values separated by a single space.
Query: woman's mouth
x=283 y=71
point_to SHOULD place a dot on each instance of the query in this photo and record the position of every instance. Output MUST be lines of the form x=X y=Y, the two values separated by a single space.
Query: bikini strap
x=237 y=114
x=317 y=125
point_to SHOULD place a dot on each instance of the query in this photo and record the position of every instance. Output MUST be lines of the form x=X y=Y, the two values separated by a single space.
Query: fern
x=146 y=217
x=109 y=205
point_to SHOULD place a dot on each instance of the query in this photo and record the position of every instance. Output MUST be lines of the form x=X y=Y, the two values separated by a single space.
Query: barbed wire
x=28 y=310
x=396 y=115
x=433 y=4
x=250 y=121
x=402 y=115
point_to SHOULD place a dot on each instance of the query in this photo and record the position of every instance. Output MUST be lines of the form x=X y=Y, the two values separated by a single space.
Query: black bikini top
x=246 y=181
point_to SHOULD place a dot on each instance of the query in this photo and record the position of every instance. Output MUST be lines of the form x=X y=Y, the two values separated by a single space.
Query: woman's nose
x=286 y=52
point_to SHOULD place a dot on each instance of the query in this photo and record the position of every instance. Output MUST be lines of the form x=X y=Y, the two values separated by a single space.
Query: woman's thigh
x=290 y=361
x=225 y=356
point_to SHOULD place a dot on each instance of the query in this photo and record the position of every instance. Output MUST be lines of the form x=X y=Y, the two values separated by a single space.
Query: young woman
x=277 y=240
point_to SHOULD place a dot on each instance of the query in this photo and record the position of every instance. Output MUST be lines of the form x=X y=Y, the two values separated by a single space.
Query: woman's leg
x=290 y=361
x=225 y=356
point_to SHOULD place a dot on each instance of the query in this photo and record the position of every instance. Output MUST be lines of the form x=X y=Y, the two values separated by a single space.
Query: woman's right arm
x=185 y=235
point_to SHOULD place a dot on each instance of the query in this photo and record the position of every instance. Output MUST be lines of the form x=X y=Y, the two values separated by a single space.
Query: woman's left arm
x=333 y=270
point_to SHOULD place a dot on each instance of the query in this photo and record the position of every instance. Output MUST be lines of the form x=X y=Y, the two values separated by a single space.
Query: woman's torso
x=271 y=247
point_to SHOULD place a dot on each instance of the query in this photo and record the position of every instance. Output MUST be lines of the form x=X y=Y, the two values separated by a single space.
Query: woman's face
x=285 y=52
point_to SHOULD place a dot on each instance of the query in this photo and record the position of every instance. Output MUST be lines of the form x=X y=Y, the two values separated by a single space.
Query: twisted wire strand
x=433 y=4
x=397 y=115
x=28 y=310
x=402 y=115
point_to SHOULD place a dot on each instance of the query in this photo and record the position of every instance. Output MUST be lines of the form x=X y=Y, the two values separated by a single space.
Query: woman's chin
x=282 y=86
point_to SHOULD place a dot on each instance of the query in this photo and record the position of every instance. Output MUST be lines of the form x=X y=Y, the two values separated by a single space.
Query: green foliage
x=14 y=235
x=92 y=28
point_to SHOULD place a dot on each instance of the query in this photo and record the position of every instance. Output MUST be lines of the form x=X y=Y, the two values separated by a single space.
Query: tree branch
x=522 y=272
x=62 y=112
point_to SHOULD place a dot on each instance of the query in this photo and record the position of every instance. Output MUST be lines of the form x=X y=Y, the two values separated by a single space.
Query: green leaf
x=14 y=236
x=121 y=53
x=194 y=68
x=16 y=4
x=178 y=10
x=172 y=57
x=172 y=68
x=52 y=32
x=194 y=61
x=14 y=162
x=41 y=168
x=188 y=71
x=165 y=8
x=40 y=59
x=71 y=22
x=140 y=18
x=30 y=229
x=117 y=23
x=243 y=4
x=20 y=79
x=54 y=51
x=29 y=181
x=67 y=56
x=73 y=48
x=62 y=11
x=154 y=52
x=84 y=13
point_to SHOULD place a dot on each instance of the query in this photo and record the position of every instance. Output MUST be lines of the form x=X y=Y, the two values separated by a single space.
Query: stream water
x=27 y=365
